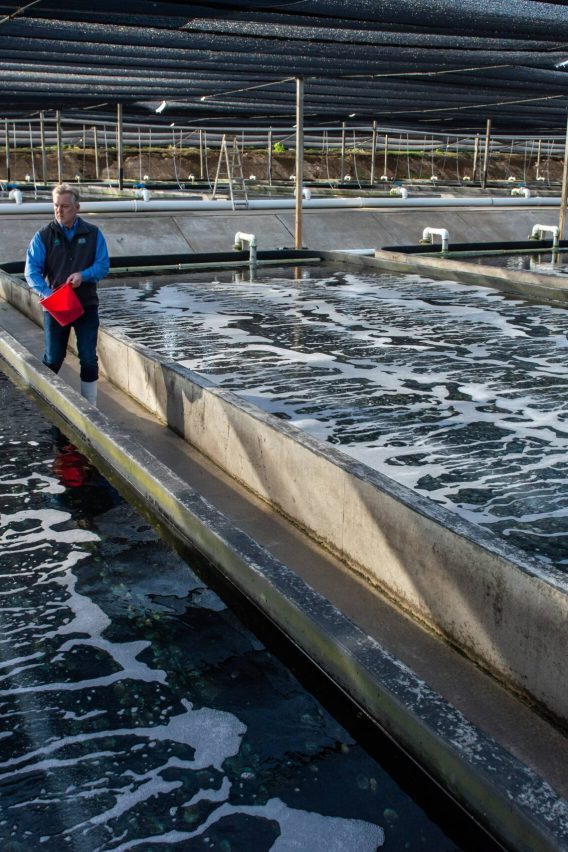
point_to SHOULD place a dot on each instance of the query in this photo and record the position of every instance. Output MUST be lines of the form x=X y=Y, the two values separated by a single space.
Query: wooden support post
x=96 y=147
x=299 y=161
x=564 y=196
x=119 y=148
x=7 y=138
x=59 y=146
x=373 y=152
x=342 y=169
x=475 y=157
x=43 y=149
x=486 y=154
x=201 y=164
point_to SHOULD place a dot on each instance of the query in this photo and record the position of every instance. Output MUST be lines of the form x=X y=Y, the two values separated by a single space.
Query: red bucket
x=63 y=304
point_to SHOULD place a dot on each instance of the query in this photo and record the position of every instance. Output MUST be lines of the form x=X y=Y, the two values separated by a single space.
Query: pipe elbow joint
x=429 y=233
x=241 y=237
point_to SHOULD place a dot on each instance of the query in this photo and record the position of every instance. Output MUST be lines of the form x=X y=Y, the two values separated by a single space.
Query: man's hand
x=75 y=279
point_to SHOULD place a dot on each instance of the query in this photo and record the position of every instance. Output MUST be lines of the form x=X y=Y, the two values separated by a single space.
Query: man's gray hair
x=61 y=188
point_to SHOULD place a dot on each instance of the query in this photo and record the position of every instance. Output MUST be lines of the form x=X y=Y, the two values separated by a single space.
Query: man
x=70 y=249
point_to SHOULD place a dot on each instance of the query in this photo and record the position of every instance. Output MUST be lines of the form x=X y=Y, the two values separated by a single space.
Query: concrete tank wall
x=489 y=600
x=142 y=233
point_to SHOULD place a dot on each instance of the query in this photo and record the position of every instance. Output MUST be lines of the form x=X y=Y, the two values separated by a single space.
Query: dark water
x=137 y=711
x=545 y=263
x=456 y=391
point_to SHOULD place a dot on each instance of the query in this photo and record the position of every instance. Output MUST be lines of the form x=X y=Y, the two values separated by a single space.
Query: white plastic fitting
x=428 y=235
x=240 y=238
x=539 y=230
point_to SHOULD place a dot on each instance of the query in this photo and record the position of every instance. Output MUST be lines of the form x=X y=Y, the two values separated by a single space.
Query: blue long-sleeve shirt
x=35 y=261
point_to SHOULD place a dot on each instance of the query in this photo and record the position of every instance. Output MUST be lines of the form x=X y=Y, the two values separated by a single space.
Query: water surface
x=137 y=711
x=456 y=391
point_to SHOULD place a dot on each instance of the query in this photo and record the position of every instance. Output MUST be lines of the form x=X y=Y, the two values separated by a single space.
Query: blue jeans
x=56 y=338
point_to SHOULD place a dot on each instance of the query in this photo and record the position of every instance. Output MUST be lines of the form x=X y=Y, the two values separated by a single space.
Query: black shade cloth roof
x=436 y=65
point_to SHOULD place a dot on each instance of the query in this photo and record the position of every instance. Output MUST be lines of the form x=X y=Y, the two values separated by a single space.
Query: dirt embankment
x=167 y=166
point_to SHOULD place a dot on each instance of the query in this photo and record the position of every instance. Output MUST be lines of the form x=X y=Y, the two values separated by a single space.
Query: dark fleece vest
x=64 y=257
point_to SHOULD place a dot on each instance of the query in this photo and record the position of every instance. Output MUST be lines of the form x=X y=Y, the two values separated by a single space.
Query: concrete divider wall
x=489 y=600
x=532 y=285
x=195 y=231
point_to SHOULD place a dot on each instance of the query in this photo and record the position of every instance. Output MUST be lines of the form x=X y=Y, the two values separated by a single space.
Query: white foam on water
x=42 y=523
x=449 y=389
x=195 y=728
x=17 y=661
x=74 y=717
x=100 y=743
x=212 y=735
x=299 y=830
x=210 y=794
x=36 y=481
x=150 y=787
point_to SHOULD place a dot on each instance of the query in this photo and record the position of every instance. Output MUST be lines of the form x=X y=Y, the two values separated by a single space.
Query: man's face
x=65 y=208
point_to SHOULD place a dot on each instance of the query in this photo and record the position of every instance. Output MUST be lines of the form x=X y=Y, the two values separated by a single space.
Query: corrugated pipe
x=135 y=205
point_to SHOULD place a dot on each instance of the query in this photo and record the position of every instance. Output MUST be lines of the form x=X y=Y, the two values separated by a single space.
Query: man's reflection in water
x=87 y=492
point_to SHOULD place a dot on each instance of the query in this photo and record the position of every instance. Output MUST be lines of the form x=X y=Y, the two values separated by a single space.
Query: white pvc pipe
x=16 y=195
x=172 y=205
x=240 y=238
x=428 y=235
x=368 y=252
x=539 y=230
